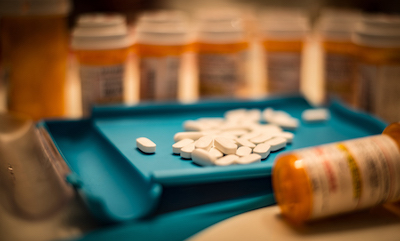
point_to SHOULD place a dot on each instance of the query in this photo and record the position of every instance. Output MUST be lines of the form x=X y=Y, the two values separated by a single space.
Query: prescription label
x=340 y=77
x=101 y=84
x=159 y=78
x=387 y=89
x=283 y=71
x=352 y=175
x=221 y=75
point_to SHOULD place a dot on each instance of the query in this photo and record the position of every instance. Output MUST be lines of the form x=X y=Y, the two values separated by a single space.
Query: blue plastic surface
x=120 y=183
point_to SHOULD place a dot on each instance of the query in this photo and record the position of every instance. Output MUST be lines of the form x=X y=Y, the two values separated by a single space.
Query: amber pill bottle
x=331 y=179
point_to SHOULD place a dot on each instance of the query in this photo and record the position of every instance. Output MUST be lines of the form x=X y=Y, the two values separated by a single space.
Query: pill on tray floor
x=145 y=145
x=263 y=150
x=186 y=151
x=243 y=151
x=194 y=135
x=214 y=151
x=203 y=158
x=227 y=160
x=225 y=145
x=315 y=115
x=276 y=143
x=252 y=158
x=176 y=148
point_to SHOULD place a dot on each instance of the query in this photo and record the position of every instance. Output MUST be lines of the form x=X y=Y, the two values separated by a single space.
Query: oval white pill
x=203 y=158
x=287 y=135
x=263 y=150
x=204 y=142
x=186 y=151
x=245 y=142
x=315 y=115
x=225 y=145
x=176 y=148
x=276 y=143
x=243 y=151
x=145 y=145
x=214 y=151
x=194 y=126
x=252 y=158
x=194 y=135
x=261 y=138
x=286 y=122
x=251 y=135
x=227 y=160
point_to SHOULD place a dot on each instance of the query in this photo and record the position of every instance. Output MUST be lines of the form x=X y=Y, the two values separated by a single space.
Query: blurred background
x=59 y=58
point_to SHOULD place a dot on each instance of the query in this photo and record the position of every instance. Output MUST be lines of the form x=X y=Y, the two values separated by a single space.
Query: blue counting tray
x=119 y=183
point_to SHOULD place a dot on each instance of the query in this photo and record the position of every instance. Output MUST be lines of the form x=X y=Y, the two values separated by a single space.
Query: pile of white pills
x=238 y=138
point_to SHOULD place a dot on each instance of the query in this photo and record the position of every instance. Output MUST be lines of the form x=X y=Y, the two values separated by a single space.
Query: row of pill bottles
x=34 y=43
x=378 y=40
x=101 y=45
x=283 y=33
x=221 y=46
x=334 y=30
x=161 y=40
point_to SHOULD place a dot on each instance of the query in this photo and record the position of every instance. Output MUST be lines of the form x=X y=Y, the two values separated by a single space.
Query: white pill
x=276 y=143
x=203 y=158
x=261 y=138
x=194 y=126
x=243 y=151
x=286 y=122
x=186 y=151
x=235 y=132
x=263 y=150
x=176 y=148
x=269 y=128
x=245 y=142
x=225 y=145
x=227 y=136
x=315 y=115
x=214 y=151
x=252 y=158
x=194 y=135
x=204 y=142
x=250 y=135
x=253 y=115
x=287 y=135
x=145 y=145
x=268 y=114
x=235 y=114
x=227 y=160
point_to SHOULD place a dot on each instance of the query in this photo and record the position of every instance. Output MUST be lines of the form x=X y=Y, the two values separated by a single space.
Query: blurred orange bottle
x=101 y=45
x=283 y=32
x=161 y=41
x=335 y=29
x=222 y=48
x=378 y=40
x=34 y=40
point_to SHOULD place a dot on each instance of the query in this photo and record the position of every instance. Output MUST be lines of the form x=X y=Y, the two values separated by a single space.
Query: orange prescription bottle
x=161 y=40
x=335 y=28
x=101 y=45
x=283 y=33
x=378 y=40
x=317 y=182
x=222 y=47
x=34 y=43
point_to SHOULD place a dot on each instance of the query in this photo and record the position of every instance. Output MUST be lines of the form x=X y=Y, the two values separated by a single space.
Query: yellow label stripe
x=354 y=170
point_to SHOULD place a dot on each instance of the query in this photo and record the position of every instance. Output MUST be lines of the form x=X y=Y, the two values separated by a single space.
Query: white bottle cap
x=337 y=25
x=381 y=31
x=100 y=31
x=220 y=26
x=162 y=28
x=284 y=24
x=34 y=7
